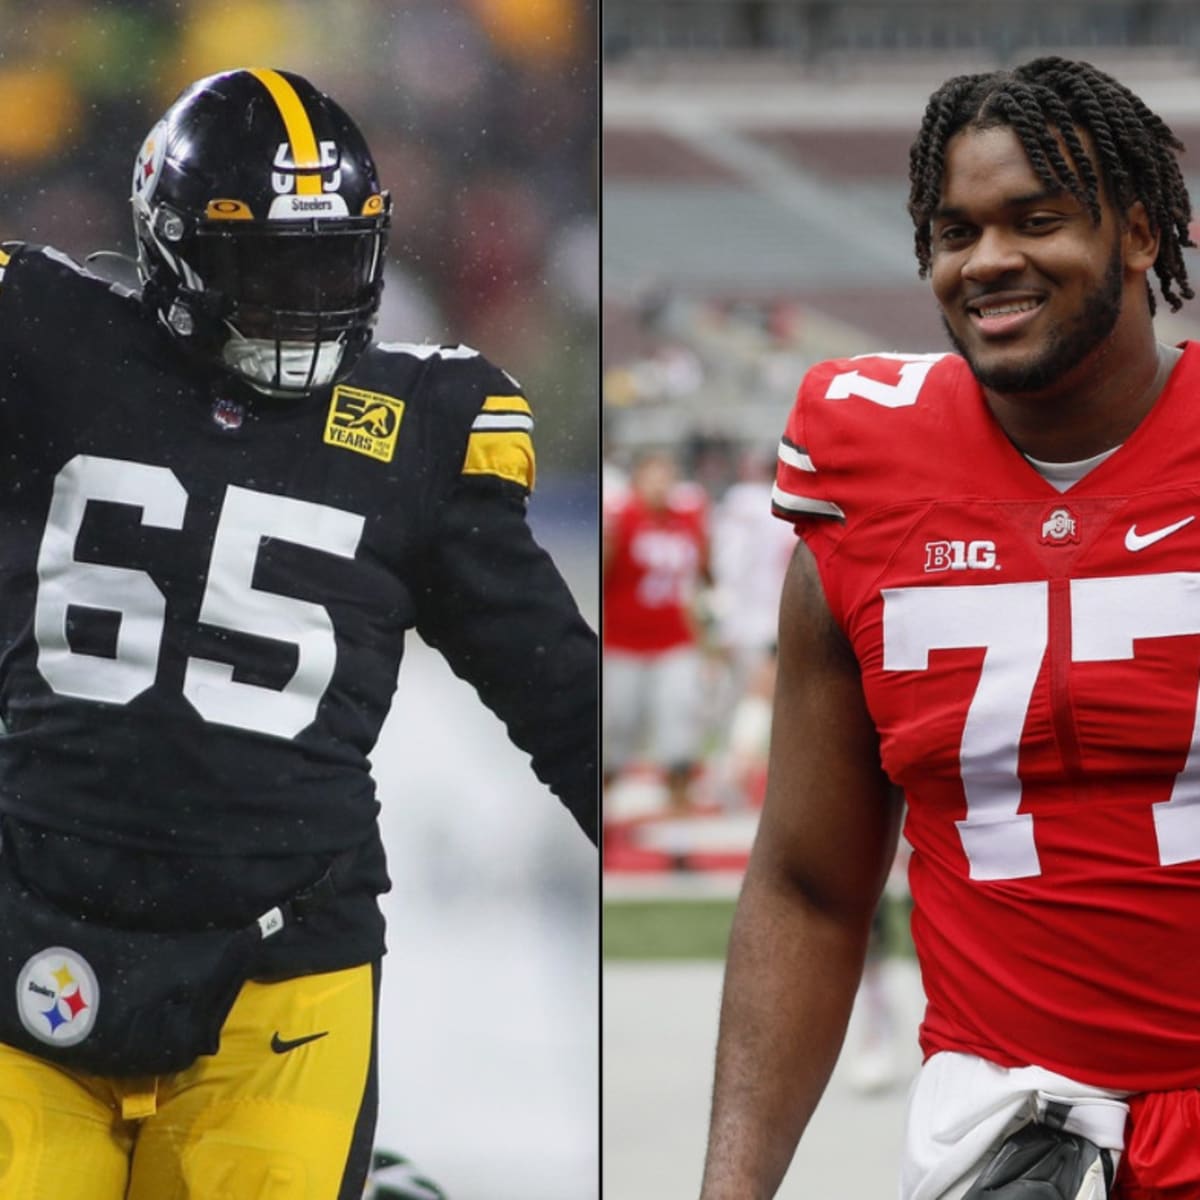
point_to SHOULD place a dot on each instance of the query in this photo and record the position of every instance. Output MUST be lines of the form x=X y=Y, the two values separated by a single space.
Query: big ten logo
x=668 y=560
x=960 y=556
x=283 y=180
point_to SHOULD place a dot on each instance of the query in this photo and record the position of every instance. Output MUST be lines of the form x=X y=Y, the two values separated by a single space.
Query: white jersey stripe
x=795 y=458
x=510 y=421
x=803 y=504
x=427 y=350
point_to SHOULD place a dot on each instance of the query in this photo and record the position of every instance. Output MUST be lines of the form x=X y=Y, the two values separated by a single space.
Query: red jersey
x=655 y=563
x=1031 y=660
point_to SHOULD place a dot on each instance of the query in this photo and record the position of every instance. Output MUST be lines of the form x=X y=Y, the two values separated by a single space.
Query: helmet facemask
x=298 y=302
x=288 y=307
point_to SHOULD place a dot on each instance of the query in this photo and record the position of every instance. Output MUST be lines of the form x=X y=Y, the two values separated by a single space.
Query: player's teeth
x=1003 y=310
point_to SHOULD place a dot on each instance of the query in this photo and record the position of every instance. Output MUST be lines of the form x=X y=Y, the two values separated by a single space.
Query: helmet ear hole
x=168 y=225
x=260 y=217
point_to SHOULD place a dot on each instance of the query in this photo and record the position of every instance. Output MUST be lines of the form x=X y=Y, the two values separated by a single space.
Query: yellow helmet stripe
x=299 y=129
x=4 y=258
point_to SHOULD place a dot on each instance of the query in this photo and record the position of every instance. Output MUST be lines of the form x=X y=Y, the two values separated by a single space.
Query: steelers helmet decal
x=148 y=165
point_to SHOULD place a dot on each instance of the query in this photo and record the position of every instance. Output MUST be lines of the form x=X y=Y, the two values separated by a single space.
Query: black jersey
x=204 y=592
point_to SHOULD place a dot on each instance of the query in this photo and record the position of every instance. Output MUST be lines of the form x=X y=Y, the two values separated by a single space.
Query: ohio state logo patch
x=58 y=996
x=1060 y=527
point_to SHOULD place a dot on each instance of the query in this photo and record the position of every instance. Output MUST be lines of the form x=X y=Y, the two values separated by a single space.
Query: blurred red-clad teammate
x=655 y=560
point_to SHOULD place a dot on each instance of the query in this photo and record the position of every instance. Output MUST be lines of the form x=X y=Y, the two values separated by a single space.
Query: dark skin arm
x=826 y=839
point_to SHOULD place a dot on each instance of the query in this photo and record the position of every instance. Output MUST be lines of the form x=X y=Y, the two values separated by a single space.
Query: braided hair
x=1050 y=99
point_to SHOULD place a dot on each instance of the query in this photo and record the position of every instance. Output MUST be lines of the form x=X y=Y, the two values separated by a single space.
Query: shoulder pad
x=424 y=350
x=462 y=360
x=48 y=254
x=477 y=399
x=10 y=252
x=47 y=288
x=852 y=421
x=54 y=261
x=500 y=438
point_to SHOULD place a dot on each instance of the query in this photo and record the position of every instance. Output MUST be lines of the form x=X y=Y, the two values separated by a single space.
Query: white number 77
x=1010 y=623
x=913 y=372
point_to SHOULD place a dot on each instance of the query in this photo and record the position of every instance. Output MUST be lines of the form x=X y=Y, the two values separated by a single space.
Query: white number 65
x=230 y=599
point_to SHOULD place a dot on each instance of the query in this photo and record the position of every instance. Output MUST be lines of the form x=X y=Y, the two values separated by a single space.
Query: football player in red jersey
x=994 y=610
x=655 y=557
x=224 y=506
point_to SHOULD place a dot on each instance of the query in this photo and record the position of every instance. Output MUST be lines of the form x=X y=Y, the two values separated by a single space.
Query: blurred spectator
x=751 y=551
x=744 y=765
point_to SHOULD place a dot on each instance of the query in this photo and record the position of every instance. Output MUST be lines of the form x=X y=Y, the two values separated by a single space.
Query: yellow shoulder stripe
x=507 y=453
x=507 y=404
x=305 y=154
x=4 y=258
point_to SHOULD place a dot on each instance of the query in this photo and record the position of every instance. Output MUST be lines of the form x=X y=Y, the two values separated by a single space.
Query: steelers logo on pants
x=58 y=996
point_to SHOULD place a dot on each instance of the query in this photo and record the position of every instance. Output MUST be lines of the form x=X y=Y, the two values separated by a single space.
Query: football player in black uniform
x=221 y=509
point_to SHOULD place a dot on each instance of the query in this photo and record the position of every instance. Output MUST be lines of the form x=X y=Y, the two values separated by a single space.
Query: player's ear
x=1139 y=238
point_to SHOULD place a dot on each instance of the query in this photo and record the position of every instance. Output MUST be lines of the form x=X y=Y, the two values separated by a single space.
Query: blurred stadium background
x=754 y=187
x=482 y=115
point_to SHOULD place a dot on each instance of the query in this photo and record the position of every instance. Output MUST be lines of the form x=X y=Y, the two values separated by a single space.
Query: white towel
x=961 y=1108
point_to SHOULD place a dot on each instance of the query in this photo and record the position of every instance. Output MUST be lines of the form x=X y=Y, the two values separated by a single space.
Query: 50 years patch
x=365 y=422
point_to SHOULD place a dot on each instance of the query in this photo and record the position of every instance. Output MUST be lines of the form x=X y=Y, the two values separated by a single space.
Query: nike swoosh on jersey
x=1139 y=541
x=282 y=1046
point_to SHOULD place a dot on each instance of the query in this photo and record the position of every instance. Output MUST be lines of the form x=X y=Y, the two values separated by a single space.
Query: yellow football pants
x=284 y=1111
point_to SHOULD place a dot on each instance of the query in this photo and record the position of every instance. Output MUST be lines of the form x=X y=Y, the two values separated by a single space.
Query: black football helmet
x=261 y=228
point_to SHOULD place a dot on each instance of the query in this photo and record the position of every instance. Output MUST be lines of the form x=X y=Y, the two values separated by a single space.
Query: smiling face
x=1030 y=287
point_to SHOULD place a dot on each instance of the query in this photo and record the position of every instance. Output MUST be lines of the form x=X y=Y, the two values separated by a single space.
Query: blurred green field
x=664 y=929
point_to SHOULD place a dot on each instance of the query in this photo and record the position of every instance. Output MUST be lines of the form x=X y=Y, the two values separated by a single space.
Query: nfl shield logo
x=228 y=413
